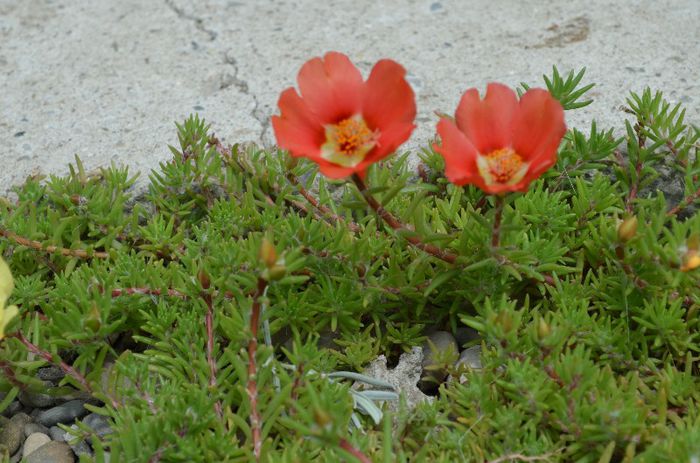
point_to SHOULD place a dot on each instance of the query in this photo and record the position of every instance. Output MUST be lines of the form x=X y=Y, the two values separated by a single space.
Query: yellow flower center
x=348 y=141
x=502 y=166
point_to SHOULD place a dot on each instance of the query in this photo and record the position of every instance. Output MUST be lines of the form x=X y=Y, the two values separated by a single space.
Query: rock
x=469 y=359
x=52 y=452
x=57 y=433
x=31 y=428
x=63 y=413
x=21 y=419
x=33 y=442
x=51 y=373
x=17 y=457
x=79 y=446
x=438 y=345
x=98 y=423
x=11 y=436
x=12 y=409
x=404 y=377
x=33 y=399
x=466 y=334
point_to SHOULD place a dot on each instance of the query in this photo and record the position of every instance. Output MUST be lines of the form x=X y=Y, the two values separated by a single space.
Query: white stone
x=33 y=442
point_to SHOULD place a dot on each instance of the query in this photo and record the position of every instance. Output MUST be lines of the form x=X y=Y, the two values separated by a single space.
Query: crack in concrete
x=198 y=22
x=256 y=113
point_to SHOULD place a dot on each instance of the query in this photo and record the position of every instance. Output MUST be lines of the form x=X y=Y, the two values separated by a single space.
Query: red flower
x=499 y=143
x=341 y=122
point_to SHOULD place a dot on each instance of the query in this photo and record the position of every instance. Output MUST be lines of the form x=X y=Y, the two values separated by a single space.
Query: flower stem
x=394 y=223
x=252 y=387
x=38 y=246
x=496 y=233
x=348 y=447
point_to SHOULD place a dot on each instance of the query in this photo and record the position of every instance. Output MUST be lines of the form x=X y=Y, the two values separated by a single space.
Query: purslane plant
x=582 y=285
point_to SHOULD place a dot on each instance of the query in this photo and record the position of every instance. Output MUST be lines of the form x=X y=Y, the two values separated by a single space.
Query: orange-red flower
x=342 y=122
x=501 y=144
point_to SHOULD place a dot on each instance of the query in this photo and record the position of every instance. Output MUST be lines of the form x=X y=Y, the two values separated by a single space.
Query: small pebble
x=52 y=452
x=51 y=373
x=33 y=442
x=465 y=334
x=31 y=428
x=80 y=447
x=442 y=341
x=12 y=409
x=11 y=435
x=64 y=413
x=471 y=357
x=57 y=433
x=33 y=399
x=98 y=423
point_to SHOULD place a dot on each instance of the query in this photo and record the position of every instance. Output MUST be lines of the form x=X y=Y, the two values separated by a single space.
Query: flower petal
x=388 y=98
x=488 y=122
x=459 y=154
x=331 y=170
x=331 y=87
x=296 y=128
x=538 y=127
x=389 y=140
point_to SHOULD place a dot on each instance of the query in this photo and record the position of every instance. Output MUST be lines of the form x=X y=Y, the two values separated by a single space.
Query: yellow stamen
x=348 y=141
x=502 y=166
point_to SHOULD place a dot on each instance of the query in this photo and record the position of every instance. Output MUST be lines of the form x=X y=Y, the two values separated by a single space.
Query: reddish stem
x=56 y=360
x=394 y=223
x=252 y=387
x=347 y=446
x=209 y=322
x=38 y=246
x=316 y=204
x=685 y=203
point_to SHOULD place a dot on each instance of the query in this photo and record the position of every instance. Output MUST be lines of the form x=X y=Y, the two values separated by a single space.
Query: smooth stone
x=21 y=418
x=51 y=373
x=33 y=442
x=442 y=342
x=31 y=428
x=33 y=399
x=57 y=433
x=11 y=435
x=80 y=447
x=51 y=452
x=98 y=423
x=470 y=357
x=12 y=409
x=465 y=334
x=63 y=413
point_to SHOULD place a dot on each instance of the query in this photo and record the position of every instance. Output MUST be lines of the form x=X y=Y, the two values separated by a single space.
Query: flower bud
x=691 y=258
x=627 y=229
x=204 y=279
x=93 y=321
x=274 y=273
x=504 y=319
x=267 y=253
x=543 y=329
x=322 y=418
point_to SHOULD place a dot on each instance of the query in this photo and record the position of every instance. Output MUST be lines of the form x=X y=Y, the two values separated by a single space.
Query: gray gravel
x=63 y=413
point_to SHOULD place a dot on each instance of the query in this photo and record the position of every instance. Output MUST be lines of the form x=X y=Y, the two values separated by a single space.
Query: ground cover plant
x=228 y=312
